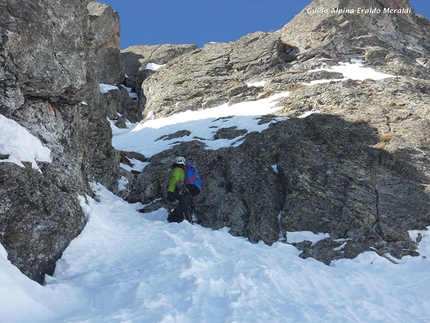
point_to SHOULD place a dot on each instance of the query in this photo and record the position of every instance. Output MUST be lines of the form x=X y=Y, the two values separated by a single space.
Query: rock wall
x=48 y=86
x=356 y=168
x=105 y=55
x=137 y=58
x=395 y=43
x=214 y=74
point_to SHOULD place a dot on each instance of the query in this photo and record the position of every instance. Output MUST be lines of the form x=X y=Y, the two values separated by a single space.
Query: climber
x=177 y=191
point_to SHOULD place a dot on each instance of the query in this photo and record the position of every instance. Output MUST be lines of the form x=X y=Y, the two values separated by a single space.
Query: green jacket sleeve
x=178 y=175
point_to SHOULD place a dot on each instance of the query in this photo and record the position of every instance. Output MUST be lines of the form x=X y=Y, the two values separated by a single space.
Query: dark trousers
x=181 y=211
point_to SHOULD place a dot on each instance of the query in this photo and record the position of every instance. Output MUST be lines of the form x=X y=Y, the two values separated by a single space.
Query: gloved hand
x=170 y=197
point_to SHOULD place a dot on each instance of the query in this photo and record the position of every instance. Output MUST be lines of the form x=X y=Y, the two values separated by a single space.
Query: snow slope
x=202 y=124
x=131 y=267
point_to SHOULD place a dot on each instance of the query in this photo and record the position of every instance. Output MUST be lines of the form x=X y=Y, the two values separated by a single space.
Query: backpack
x=192 y=179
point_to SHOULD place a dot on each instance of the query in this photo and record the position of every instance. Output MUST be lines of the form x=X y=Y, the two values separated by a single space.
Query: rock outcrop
x=105 y=59
x=393 y=42
x=47 y=85
x=138 y=57
x=215 y=74
x=105 y=56
x=356 y=167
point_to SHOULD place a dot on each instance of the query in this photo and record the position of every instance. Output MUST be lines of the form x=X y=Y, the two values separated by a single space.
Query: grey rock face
x=357 y=168
x=395 y=43
x=108 y=65
x=137 y=58
x=118 y=105
x=48 y=87
x=49 y=51
x=38 y=218
x=105 y=57
x=214 y=75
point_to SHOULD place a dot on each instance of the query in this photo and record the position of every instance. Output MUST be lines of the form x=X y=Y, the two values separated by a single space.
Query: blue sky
x=150 y=22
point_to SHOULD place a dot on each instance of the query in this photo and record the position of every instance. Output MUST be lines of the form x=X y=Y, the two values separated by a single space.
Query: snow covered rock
x=215 y=74
x=142 y=60
x=139 y=57
x=334 y=30
x=49 y=89
x=352 y=159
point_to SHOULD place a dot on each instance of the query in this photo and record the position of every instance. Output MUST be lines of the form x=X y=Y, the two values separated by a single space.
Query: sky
x=132 y=267
x=152 y=22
